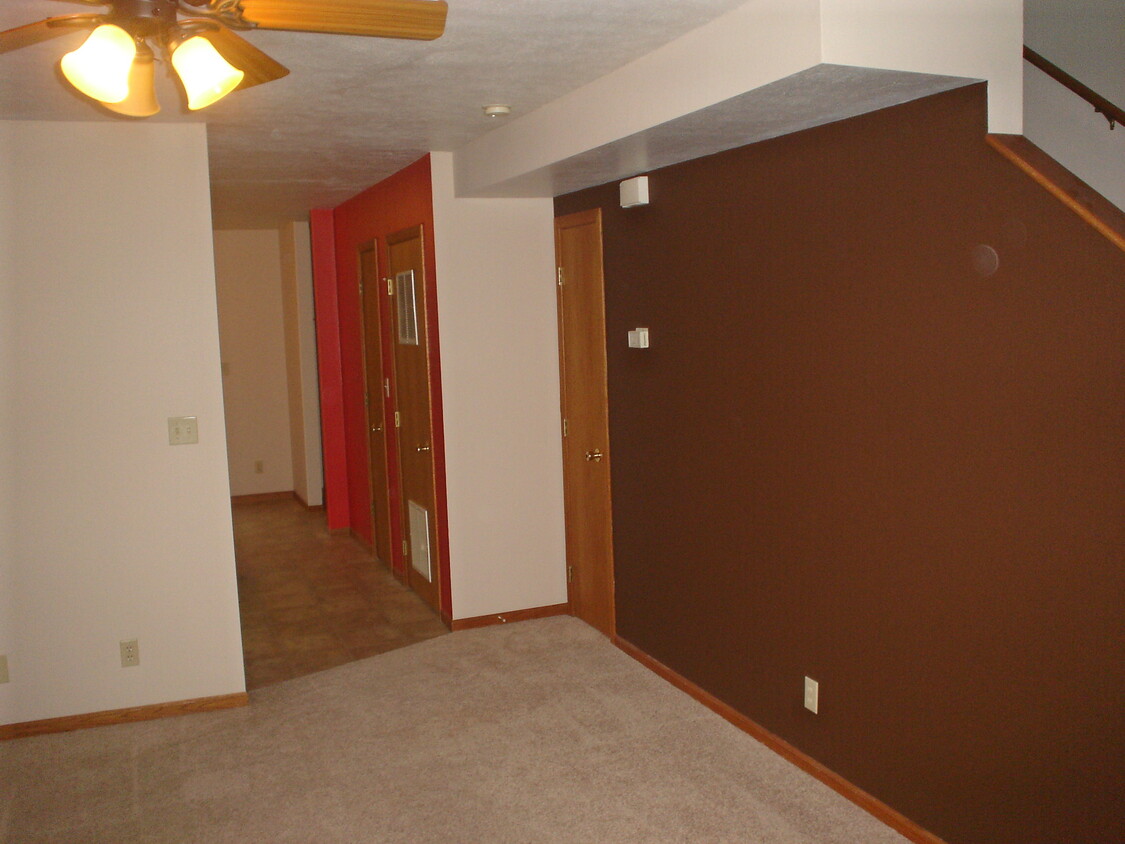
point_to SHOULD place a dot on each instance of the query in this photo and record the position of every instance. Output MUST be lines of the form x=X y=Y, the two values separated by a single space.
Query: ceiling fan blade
x=257 y=66
x=422 y=20
x=32 y=33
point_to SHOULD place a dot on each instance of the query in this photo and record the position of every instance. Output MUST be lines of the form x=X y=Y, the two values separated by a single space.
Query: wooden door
x=585 y=412
x=376 y=395
x=415 y=434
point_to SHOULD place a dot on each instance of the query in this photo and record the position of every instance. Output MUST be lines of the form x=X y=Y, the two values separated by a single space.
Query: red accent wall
x=853 y=454
x=328 y=366
x=398 y=202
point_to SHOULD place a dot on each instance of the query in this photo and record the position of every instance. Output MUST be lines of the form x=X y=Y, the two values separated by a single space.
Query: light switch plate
x=812 y=695
x=183 y=430
x=638 y=338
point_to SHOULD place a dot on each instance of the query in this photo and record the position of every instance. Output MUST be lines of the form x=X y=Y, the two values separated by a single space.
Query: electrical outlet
x=4 y=678
x=812 y=695
x=130 y=654
x=259 y=467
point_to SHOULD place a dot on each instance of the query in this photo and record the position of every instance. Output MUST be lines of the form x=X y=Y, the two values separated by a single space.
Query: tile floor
x=311 y=600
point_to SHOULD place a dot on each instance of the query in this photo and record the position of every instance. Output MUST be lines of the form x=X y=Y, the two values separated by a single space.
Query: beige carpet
x=534 y=732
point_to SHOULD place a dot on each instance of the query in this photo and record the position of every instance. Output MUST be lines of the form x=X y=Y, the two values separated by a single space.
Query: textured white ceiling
x=354 y=110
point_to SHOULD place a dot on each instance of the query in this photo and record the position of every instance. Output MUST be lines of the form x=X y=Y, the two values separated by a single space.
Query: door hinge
x=566 y=428
x=361 y=288
x=570 y=574
x=390 y=286
x=398 y=420
x=405 y=549
x=367 y=400
x=559 y=276
x=387 y=387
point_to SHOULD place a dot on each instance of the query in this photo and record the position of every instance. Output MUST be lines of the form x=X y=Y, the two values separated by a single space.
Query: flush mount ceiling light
x=497 y=110
x=116 y=64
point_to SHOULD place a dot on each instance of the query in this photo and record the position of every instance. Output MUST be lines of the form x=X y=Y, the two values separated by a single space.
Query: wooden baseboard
x=508 y=617
x=262 y=497
x=895 y=820
x=122 y=716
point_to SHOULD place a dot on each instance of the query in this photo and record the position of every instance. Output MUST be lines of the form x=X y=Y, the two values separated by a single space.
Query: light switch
x=182 y=430
x=638 y=338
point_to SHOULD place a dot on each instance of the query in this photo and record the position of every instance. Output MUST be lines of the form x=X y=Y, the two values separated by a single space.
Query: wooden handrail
x=1071 y=191
x=1113 y=113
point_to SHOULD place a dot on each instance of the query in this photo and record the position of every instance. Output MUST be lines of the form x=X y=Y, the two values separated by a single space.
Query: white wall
x=500 y=393
x=300 y=362
x=252 y=337
x=1086 y=38
x=1068 y=129
x=759 y=42
x=118 y=534
x=978 y=39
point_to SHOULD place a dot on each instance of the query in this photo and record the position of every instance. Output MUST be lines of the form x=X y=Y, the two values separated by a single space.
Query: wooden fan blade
x=257 y=66
x=32 y=33
x=421 y=20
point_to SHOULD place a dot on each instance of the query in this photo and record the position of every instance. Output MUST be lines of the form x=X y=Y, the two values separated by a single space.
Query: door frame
x=603 y=617
x=437 y=427
x=374 y=287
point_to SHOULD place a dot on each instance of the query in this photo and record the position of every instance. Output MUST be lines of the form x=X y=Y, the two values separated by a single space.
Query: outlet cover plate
x=812 y=695
x=130 y=654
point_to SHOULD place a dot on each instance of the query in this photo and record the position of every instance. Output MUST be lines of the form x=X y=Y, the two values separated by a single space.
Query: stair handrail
x=1111 y=112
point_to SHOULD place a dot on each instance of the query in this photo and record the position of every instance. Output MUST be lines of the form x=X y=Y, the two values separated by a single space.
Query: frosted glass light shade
x=206 y=75
x=141 y=101
x=100 y=67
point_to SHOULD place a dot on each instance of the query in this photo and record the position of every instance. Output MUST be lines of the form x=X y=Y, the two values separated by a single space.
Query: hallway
x=310 y=600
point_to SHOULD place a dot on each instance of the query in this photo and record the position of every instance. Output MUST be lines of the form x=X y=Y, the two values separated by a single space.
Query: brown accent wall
x=850 y=455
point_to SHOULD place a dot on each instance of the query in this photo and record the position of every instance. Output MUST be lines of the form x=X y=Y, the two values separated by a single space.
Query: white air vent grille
x=420 y=540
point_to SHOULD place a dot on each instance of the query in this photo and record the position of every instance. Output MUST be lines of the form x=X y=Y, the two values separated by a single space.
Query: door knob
x=422 y=448
x=376 y=429
x=594 y=456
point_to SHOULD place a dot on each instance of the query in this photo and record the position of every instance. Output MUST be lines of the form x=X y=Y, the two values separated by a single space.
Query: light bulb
x=141 y=101
x=100 y=67
x=206 y=75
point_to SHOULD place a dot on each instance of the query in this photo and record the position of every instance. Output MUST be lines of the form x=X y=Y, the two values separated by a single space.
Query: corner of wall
x=334 y=443
x=500 y=378
x=8 y=445
x=975 y=39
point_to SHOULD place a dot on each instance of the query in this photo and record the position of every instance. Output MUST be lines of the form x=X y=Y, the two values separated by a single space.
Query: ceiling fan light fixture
x=497 y=110
x=206 y=75
x=100 y=67
x=141 y=101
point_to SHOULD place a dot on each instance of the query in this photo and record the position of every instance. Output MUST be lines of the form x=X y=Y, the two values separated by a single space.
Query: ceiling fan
x=115 y=65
